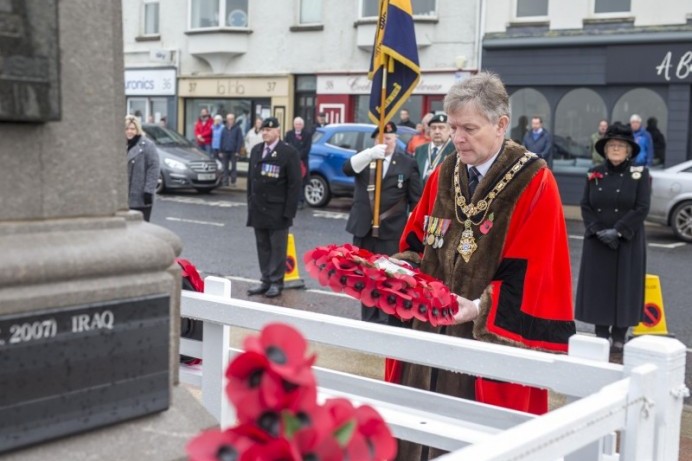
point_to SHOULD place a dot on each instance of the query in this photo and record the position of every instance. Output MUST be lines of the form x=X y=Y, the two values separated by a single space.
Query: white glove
x=363 y=158
x=468 y=310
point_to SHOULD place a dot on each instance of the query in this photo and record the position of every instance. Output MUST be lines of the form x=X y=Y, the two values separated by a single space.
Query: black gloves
x=148 y=199
x=609 y=237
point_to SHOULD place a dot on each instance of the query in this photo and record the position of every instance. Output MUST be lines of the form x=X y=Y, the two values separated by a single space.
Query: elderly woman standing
x=610 y=293
x=142 y=167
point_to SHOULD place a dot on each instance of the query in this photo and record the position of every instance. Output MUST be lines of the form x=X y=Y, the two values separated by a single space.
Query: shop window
x=151 y=17
x=612 y=6
x=524 y=104
x=532 y=8
x=310 y=11
x=218 y=13
x=420 y=8
x=576 y=119
x=241 y=108
x=414 y=105
x=648 y=105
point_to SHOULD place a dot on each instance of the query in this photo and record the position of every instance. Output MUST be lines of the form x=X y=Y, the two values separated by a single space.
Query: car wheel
x=160 y=184
x=681 y=221
x=317 y=191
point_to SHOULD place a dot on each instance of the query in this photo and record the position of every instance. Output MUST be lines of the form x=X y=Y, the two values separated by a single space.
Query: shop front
x=572 y=87
x=344 y=98
x=151 y=94
x=245 y=97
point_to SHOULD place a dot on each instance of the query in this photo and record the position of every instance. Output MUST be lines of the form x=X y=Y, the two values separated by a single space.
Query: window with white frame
x=420 y=8
x=151 y=17
x=532 y=8
x=612 y=6
x=310 y=12
x=218 y=13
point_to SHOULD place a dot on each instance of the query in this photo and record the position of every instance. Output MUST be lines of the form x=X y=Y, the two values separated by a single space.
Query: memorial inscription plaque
x=67 y=370
x=29 y=61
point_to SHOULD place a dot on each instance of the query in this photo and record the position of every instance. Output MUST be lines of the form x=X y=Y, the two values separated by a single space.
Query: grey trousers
x=271 y=253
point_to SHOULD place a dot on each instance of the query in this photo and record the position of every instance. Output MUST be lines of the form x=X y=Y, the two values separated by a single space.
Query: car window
x=687 y=170
x=164 y=136
x=316 y=136
x=344 y=139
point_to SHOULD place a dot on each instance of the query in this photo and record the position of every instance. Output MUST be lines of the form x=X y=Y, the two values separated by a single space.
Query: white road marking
x=199 y=201
x=655 y=245
x=194 y=221
x=330 y=215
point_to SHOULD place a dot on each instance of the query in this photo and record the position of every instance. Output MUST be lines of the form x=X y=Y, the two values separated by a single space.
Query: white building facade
x=284 y=58
x=576 y=63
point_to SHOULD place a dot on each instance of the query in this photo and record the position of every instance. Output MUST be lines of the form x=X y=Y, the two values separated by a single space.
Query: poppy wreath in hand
x=274 y=391
x=394 y=287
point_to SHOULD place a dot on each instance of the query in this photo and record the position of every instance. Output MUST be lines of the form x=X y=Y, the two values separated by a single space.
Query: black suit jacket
x=273 y=187
x=402 y=182
x=302 y=145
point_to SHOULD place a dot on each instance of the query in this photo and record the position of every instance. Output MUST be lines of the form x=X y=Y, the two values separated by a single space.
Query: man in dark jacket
x=301 y=139
x=272 y=197
x=539 y=141
x=400 y=190
x=231 y=143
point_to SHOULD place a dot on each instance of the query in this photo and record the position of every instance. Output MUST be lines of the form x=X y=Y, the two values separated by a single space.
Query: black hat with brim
x=270 y=122
x=620 y=132
x=439 y=118
x=389 y=128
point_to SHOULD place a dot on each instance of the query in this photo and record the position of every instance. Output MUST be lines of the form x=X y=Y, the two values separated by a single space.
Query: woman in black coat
x=142 y=168
x=610 y=293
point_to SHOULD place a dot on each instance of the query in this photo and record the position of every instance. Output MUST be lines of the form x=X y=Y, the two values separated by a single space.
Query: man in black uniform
x=273 y=190
x=430 y=155
x=301 y=139
x=400 y=191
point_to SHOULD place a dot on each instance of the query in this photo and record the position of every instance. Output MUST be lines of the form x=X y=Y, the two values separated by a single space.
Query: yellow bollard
x=654 y=322
x=292 y=276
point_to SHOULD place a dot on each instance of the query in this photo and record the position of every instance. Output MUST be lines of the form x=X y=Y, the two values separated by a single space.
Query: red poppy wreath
x=379 y=282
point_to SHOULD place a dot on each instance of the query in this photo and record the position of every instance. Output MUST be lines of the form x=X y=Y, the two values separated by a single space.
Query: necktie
x=474 y=178
x=266 y=152
x=434 y=152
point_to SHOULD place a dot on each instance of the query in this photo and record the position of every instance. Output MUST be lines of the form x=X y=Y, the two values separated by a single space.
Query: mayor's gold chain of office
x=467 y=244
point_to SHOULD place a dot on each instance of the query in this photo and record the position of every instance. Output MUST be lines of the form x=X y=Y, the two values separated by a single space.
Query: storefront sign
x=359 y=84
x=233 y=87
x=68 y=370
x=150 y=82
x=29 y=56
x=658 y=63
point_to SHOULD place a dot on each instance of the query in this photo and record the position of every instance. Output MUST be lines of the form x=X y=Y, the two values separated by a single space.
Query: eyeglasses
x=616 y=145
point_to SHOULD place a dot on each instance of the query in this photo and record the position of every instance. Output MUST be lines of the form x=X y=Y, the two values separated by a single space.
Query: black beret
x=389 y=127
x=270 y=122
x=439 y=118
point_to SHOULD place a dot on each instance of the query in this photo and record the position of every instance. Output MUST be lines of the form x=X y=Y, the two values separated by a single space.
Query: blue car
x=332 y=145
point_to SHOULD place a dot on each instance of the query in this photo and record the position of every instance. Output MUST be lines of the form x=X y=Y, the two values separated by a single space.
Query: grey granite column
x=71 y=249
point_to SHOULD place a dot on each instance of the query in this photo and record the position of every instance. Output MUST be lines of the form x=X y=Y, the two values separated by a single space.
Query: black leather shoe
x=273 y=291
x=258 y=290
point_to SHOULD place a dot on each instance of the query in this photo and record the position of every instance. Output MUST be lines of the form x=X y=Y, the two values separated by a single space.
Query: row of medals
x=437 y=228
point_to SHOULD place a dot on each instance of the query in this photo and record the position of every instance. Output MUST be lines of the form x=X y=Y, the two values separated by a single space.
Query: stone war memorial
x=89 y=293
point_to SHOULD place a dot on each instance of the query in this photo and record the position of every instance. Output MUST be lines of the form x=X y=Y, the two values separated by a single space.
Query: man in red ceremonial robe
x=490 y=225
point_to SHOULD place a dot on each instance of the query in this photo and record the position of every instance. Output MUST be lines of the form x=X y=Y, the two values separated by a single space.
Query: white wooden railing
x=642 y=399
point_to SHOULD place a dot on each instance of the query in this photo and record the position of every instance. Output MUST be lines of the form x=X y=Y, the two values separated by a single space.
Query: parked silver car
x=671 y=199
x=183 y=165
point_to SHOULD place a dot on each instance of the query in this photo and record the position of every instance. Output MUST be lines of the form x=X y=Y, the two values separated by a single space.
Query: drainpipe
x=480 y=31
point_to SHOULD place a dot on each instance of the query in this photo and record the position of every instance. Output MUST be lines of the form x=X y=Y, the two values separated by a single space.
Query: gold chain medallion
x=467 y=244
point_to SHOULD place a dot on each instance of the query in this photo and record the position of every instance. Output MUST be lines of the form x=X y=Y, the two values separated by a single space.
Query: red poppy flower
x=486 y=226
x=211 y=445
x=274 y=450
x=245 y=374
x=285 y=349
x=377 y=435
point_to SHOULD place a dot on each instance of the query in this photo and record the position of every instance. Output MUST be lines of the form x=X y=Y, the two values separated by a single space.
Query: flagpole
x=380 y=140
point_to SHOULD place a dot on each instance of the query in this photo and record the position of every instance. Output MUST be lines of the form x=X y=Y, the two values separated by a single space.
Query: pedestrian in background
x=231 y=144
x=539 y=141
x=399 y=193
x=301 y=140
x=659 y=141
x=518 y=132
x=405 y=119
x=254 y=136
x=216 y=130
x=422 y=136
x=610 y=293
x=203 y=131
x=273 y=190
x=429 y=156
x=321 y=120
x=142 y=167
x=643 y=139
x=596 y=157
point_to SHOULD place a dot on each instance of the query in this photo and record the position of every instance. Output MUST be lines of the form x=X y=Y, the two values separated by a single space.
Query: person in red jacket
x=203 y=130
x=490 y=225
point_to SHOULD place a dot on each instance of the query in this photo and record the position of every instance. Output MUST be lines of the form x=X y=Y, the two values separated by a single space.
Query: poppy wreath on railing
x=274 y=392
x=377 y=281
